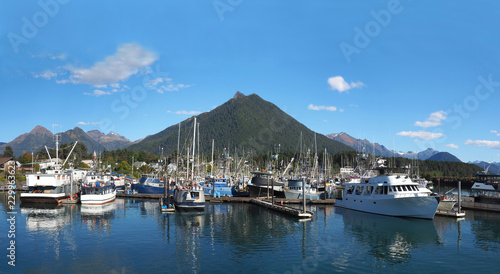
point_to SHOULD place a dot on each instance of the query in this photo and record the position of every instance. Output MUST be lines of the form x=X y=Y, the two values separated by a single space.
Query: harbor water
x=133 y=236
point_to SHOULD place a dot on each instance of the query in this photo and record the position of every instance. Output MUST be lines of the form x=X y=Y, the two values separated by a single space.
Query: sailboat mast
x=194 y=147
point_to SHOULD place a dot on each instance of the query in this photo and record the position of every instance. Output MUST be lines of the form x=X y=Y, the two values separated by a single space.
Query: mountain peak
x=239 y=95
x=40 y=130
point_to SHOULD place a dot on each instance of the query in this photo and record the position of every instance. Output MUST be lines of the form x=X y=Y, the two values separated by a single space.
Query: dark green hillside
x=444 y=156
x=244 y=122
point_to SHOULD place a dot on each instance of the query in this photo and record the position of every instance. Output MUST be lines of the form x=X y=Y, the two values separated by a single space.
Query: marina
x=247 y=238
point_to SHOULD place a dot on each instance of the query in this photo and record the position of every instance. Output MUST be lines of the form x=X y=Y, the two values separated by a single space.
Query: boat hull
x=413 y=207
x=146 y=189
x=261 y=191
x=94 y=199
x=45 y=198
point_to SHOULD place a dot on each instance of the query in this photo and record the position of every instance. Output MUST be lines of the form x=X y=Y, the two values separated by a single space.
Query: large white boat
x=50 y=187
x=97 y=190
x=389 y=194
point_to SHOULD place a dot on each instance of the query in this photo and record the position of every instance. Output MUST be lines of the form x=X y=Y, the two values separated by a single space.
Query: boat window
x=359 y=190
x=398 y=188
x=378 y=190
x=350 y=189
x=368 y=190
x=385 y=190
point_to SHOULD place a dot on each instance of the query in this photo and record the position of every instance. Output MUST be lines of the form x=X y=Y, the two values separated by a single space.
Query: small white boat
x=389 y=194
x=96 y=190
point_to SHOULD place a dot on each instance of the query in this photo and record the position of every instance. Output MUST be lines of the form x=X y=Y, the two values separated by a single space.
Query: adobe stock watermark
x=460 y=112
x=364 y=36
x=224 y=6
x=130 y=100
x=31 y=26
x=11 y=213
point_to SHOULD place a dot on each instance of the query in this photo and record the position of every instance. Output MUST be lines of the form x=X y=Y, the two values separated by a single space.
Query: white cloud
x=128 y=60
x=88 y=123
x=46 y=75
x=164 y=84
x=495 y=132
x=329 y=108
x=425 y=135
x=451 y=146
x=98 y=93
x=184 y=112
x=483 y=143
x=338 y=83
x=61 y=56
x=434 y=120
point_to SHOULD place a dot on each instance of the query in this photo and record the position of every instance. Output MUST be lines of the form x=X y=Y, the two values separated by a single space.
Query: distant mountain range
x=492 y=167
x=380 y=150
x=246 y=122
x=40 y=137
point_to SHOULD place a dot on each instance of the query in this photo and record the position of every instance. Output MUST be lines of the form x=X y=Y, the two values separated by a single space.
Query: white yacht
x=389 y=194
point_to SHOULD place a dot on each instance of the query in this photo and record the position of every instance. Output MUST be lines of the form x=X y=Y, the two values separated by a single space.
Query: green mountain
x=444 y=157
x=244 y=122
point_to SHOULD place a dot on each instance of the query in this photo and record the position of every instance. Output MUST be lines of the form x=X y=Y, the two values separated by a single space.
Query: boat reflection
x=98 y=217
x=388 y=238
x=48 y=225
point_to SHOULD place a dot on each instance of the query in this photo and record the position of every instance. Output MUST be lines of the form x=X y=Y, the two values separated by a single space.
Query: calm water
x=132 y=236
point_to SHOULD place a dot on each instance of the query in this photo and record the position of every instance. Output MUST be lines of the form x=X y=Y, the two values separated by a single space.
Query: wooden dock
x=230 y=199
x=140 y=196
x=283 y=209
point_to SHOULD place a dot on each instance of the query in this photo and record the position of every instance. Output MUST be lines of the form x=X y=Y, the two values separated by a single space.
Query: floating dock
x=283 y=209
x=447 y=208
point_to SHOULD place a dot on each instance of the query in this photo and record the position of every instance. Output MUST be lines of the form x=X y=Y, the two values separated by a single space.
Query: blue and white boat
x=222 y=187
x=150 y=184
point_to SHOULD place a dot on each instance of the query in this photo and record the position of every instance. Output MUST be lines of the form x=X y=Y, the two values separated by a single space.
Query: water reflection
x=98 y=217
x=387 y=238
x=486 y=228
x=50 y=226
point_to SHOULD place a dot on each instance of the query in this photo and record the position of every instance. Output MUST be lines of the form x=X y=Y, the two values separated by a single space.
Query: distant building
x=139 y=164
x=4 y=161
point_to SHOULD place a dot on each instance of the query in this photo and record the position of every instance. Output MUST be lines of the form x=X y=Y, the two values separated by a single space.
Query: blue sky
x=406 y=74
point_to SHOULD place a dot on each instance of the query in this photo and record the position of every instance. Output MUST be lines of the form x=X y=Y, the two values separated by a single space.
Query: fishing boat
x=389 y=194
x=149 y=184
x=189 y=198
x=98 y=190
x=263 y=185
x=220 y=185
x=484 y=193
x=295 y=191
x=51 y=187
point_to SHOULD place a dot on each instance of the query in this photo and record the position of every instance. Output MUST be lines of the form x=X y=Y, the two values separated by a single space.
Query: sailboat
x=190 y=197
